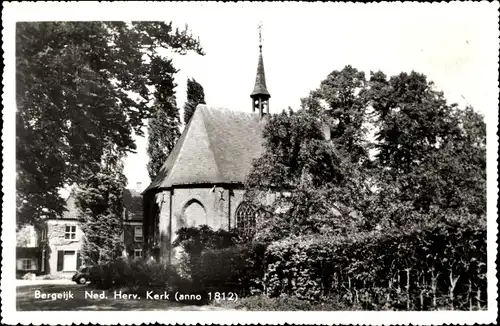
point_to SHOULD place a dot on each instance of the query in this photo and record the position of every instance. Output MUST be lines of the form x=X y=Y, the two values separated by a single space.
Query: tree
x=78 y=83
x=195 y=96
x=307 y=171
x=340 y=101
x=101 y=207
x=25 y=236
x=427 y=161
x=164 y=126
x=430 y=155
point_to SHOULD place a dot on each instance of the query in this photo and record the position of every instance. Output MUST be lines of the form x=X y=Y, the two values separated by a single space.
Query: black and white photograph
x=249 y=162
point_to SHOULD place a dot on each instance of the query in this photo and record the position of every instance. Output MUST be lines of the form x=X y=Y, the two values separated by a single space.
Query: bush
x=194 y=241
x=281 y=303
x=237 y=269
x=136 y=274
x=423 y=268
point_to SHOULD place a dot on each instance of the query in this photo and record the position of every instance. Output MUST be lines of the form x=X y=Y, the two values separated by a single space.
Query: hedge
x=237 y=269
x=422 y=268
x=135 y=273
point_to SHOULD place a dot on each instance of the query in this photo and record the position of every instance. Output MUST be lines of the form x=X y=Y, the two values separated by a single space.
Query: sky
x=454 y=44
x=302 y=43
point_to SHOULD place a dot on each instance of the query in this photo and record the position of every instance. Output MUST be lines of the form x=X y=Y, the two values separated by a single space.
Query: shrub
x=422 y=268
x=236 y=269
x=136 y=273
x=281 y=303
x=194 y=241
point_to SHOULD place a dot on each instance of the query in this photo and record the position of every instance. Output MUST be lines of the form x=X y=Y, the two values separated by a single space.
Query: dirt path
x=73 y=297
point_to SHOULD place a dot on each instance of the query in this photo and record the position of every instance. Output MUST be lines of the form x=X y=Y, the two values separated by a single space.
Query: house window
x=246 y=219
x=70 y=232
x=138 y=234
x=137 y=253
x=27 y=264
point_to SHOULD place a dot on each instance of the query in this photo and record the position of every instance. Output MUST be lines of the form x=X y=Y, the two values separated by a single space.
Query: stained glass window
x=246 y=219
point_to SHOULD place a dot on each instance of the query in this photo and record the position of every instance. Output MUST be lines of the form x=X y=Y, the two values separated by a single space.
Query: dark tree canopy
x=79 y=86
x=431 y=156
x=195 y=96
x=340 y=99
x=395 y=154
x=164 y=125
x=163 y=132
x=100 y=204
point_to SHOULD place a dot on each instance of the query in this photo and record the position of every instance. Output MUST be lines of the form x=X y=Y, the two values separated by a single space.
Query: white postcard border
x=13 y=12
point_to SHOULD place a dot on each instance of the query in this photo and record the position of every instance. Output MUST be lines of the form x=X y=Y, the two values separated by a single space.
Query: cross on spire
x=259 y=27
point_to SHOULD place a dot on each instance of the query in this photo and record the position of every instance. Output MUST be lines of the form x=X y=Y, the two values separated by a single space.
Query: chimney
x=138 y=186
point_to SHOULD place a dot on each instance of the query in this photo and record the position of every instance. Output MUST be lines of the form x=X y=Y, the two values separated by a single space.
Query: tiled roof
x=260 y=80
x=217 y=146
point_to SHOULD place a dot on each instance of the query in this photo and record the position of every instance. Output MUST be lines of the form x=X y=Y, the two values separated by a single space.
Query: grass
x=282 y=303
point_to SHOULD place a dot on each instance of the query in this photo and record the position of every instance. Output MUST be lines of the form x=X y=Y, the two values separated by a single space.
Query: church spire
x=260 y=95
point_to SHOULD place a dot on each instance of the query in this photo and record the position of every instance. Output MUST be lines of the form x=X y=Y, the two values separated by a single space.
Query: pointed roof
x=217 y=146
x=260 y=81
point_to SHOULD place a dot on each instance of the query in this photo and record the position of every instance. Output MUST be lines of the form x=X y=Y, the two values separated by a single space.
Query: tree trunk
x=408 y=289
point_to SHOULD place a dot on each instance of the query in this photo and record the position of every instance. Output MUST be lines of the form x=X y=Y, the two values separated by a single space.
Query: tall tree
x=307 y=171
x=430 y=154
x=74 y=82
x=344 y=108
x=163 y=127
x=100 y=203
x=195 y=96
x=427 y=163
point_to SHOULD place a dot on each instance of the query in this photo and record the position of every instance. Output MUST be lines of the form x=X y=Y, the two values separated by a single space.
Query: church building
x=202 y=180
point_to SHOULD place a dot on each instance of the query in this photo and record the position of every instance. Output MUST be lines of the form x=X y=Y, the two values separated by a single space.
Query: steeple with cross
x=260 y=95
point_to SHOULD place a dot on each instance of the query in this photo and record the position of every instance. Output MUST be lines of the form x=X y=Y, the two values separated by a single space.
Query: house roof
x=217 y=146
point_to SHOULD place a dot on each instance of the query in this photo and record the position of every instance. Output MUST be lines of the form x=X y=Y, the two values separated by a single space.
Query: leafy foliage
x=365 y=154
x=195 y=96
x=417 y=268
x=305 y=170
x=380 y=188
x=100 y=206
x=163 y=127
x=220 y=260
x=195 y=240
x=79 y=86
x=238 y=269
x=281 y=303
x=135 y=274
x=429 y=156
x=24 y=235
x=343 y=106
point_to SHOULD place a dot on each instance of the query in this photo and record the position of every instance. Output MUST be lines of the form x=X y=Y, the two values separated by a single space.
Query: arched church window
x=194 y=214
x=246 y=219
